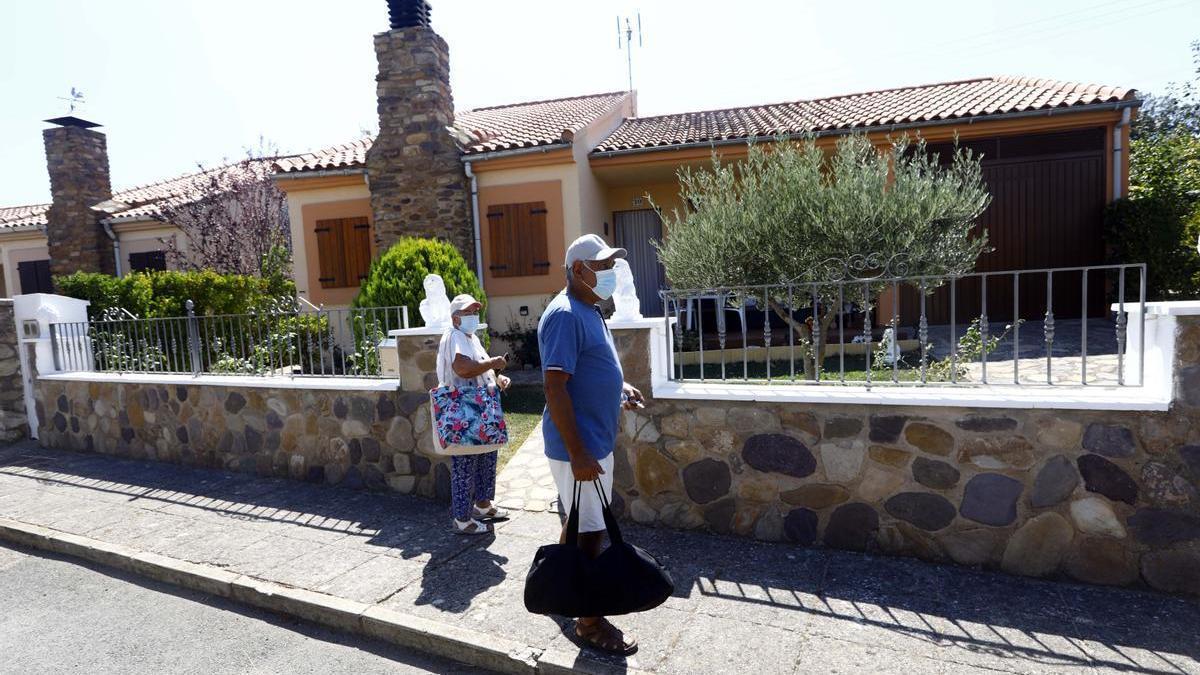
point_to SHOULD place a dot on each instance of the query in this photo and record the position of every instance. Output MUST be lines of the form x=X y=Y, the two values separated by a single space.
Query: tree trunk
x=811 y=352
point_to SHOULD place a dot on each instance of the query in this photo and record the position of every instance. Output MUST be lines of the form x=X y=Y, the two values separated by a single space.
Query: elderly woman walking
x=463 y=362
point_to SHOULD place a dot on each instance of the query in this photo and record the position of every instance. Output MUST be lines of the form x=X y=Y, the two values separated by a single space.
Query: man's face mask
x=606 y=282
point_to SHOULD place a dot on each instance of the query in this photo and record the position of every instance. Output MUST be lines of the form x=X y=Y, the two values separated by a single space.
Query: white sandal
x=470 y=527
x=492 y=512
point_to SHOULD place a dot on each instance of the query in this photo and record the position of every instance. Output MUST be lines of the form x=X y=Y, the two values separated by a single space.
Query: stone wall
x=13 y=421
x=77 y=161
x=1103 y=497
x=418 y=185
x=369 y=440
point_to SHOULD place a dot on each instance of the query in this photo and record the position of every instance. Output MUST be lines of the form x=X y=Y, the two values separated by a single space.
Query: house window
x=344 y=251
x=35 y=276
x=148 y=261
x=517 y=234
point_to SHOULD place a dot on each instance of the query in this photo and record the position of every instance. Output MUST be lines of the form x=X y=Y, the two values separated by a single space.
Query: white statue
x=435 y=308
x=625 y=298
x=891 y=347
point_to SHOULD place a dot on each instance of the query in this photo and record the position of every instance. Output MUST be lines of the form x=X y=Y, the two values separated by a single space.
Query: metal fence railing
x=872 y=327
x=293 y=341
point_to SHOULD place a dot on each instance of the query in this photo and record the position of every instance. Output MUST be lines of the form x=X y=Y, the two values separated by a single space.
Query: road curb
x=446 y=640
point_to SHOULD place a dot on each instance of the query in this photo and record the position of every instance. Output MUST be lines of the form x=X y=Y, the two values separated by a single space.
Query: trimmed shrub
x=1163 y=234
x=397 y=277
x=165 y=294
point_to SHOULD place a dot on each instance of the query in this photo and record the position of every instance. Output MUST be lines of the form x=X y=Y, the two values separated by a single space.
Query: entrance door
x=636 y=232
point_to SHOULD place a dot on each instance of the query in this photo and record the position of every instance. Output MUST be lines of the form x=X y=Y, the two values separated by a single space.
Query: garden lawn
x=523 y=407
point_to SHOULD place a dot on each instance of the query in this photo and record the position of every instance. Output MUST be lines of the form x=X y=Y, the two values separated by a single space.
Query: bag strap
x=610 y=521
x=573 y=518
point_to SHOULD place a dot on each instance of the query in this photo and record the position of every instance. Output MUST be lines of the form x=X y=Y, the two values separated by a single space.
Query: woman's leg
x=485 y=478
x=462 y=475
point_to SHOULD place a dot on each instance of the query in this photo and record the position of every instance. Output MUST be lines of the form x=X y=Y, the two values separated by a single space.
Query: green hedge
x=1163 y=234
x=163 y=294
x=397 y=277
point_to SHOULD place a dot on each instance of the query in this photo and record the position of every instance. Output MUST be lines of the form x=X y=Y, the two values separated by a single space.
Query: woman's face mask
x=468 y=323
x=606 y=283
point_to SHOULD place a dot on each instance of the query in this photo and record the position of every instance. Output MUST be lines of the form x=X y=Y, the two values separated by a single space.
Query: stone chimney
x=418 y=185
x=77 y=160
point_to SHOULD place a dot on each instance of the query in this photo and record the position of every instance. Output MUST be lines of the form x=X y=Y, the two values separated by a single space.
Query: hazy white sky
x=184 y=81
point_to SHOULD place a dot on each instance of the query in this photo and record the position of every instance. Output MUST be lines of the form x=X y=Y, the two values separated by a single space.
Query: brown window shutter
x=517 y=237
x=331 y=260
x=501 y=235
x=356 y=235
x=534 y=234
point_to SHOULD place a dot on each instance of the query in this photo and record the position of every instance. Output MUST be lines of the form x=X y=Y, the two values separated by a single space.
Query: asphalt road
x=59 y=616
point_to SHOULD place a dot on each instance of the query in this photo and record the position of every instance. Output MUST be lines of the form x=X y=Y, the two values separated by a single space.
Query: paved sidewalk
x=740 y=606
x=525 y=482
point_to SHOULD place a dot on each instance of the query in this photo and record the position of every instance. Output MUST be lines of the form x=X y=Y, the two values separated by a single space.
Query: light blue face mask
x=606 y=283
x=469 y=324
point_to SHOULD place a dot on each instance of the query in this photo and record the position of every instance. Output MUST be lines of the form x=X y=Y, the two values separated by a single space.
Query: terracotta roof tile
x=143 y=202
x=344 y=156
x=525 y=125
x=505 y=127
x=28 y=217
x=906 y=105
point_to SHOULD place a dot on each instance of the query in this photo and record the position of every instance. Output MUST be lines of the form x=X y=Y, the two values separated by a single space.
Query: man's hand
x=585 y=468
x=503 y=382
x=633 y=397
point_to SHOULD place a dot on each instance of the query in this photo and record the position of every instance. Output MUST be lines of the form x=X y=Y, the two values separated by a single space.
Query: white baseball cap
x=592 y=247
x=463 y=302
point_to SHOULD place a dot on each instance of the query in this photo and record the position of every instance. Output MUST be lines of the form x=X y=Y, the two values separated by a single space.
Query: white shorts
x=591 y=513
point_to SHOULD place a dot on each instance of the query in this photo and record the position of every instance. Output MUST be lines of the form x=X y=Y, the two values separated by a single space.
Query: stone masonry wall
x=1102 y=497
x=362 y=440
x=14 y=424
x=418 y=185
x=77 y=160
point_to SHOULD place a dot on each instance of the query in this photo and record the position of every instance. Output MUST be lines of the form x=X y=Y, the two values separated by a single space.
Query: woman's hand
x=503 y=382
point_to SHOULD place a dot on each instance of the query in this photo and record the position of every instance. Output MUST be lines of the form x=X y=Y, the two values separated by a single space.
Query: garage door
x=1047 y=211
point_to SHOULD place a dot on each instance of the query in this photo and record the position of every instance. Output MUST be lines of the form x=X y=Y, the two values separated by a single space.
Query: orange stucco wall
x=550 y=192
x=351 y=208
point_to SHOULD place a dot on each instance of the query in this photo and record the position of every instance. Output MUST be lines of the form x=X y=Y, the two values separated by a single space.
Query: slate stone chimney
x=418 y=185
x=77 y=160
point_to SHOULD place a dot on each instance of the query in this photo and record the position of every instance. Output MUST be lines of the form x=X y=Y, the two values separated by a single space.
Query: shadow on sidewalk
x=403 y=526
x=894 y=602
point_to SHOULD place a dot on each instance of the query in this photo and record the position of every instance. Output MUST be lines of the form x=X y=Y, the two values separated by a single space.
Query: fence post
x=193 y=337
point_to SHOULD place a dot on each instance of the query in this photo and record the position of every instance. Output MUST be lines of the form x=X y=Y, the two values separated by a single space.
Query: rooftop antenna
x=75 y=99
x=626 y=42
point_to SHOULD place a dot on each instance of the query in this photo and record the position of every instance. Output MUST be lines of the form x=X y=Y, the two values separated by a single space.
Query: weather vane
x=75 y=99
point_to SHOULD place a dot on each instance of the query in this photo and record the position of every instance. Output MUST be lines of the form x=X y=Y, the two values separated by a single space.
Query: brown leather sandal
x=606 y=637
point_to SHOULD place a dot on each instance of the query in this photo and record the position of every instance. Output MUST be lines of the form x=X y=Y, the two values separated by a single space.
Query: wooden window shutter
x=330 y=256
x=534 y=233
x=147 y=261
x=34 y=276
x=517 y=238
x=357 y=238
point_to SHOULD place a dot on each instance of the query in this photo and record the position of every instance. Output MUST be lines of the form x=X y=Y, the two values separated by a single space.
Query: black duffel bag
x=622 y=580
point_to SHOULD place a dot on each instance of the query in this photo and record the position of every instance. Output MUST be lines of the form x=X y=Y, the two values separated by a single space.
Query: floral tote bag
x=466 y=420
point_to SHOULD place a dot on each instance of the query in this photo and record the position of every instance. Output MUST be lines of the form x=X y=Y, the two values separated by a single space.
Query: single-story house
x=511 y=185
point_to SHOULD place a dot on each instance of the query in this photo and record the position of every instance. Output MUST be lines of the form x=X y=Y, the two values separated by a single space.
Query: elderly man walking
x=585 y=391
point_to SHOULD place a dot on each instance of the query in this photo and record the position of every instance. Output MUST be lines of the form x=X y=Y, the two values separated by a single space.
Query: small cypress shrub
x=397 y=277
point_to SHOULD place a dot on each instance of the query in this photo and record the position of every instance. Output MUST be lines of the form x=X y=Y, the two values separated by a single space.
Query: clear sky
x=176 y=82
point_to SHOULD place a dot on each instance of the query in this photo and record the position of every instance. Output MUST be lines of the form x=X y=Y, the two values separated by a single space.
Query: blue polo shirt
x=572 y=338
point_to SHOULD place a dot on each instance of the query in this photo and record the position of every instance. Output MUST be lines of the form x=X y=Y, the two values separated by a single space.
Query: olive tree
x=795 y=219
